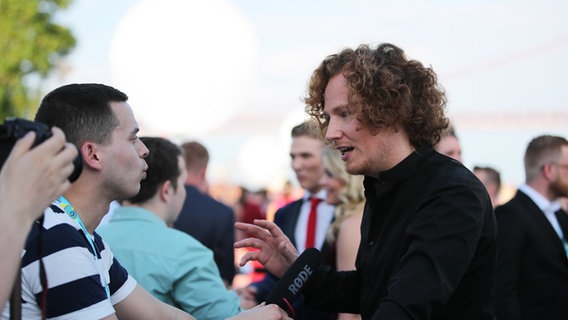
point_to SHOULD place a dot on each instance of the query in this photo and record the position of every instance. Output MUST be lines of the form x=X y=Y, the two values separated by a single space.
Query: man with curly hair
x=428 y=234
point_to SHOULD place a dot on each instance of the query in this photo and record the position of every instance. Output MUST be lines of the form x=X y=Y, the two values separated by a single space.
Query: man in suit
x=532 y=270
x=206 y=219
x=293 y=219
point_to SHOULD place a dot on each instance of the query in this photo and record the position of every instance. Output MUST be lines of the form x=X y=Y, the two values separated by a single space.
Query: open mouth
x=345 y=150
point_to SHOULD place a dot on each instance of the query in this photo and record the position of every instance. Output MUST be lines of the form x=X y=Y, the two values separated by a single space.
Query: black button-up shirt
x=427 y=247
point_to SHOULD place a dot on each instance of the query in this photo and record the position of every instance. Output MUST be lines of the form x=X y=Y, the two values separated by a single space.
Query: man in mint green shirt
x=170 y=264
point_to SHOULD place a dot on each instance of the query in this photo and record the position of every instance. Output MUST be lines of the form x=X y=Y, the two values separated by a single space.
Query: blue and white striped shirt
x=75 y=274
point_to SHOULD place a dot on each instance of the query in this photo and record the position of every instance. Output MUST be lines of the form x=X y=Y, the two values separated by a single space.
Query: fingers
x=22 y=145
x=57 y=154
x=247 y=292
x=53 y=144
x=249 y=256
x=288 y=250
x=269 y=226
x=280 y=313
x=65 y=158
x=247 y=297
x=262 y=229
x=249 y=242
x=252 y=229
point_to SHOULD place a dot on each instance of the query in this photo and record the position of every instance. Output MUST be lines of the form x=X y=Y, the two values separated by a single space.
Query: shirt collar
x=400 y=171
x=135 y=213
x=320 y=195
x=539 y=199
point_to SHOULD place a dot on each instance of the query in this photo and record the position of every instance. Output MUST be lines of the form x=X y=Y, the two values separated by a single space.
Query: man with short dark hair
x=68 y=271
x=84 y=280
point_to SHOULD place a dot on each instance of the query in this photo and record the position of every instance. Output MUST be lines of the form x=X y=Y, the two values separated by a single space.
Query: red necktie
x=311 y=234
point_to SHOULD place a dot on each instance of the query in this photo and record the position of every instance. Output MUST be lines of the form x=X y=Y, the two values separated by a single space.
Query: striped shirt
x=75 y=274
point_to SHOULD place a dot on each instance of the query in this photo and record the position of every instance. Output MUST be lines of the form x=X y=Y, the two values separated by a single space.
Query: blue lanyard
x=70 y=210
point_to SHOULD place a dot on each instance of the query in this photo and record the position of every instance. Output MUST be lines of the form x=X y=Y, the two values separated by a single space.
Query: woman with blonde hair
x=346 y=193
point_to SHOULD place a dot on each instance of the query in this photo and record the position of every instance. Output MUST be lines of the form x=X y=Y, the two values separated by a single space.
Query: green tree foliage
x=31 y=46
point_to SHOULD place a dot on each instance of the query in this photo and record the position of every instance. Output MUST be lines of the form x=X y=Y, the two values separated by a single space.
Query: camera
x=15 y=128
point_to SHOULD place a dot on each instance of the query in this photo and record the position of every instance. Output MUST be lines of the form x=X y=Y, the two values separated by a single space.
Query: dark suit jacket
x=212 y=223
x=286 y=218
x=532 y=269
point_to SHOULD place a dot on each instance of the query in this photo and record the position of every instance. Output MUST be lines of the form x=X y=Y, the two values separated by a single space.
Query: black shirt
x=428 y=247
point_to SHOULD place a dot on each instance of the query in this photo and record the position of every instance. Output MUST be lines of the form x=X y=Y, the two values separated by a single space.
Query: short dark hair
x=492 y=174
x=82 y=111
x=542 y=149
x=163 y=165
x=196 y=156
x=386 y=90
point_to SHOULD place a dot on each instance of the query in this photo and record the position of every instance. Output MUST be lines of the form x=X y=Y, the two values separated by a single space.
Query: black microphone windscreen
x=290 y=285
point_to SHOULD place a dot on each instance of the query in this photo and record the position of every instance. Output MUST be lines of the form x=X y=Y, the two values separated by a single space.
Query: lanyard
x=70 y=210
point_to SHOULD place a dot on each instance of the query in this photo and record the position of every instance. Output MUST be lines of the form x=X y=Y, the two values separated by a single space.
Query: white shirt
x=547 y=207
x=324 y=218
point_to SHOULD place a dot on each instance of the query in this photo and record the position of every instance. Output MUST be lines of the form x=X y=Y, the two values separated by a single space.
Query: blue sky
x=502 y=63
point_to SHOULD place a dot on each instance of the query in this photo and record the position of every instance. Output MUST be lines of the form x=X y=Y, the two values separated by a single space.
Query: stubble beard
x=559 y=188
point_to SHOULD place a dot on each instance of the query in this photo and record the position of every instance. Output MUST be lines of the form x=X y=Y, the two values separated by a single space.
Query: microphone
x=290 y=285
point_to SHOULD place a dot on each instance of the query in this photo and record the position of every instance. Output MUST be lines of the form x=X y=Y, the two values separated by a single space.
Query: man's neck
x=90 y=209
x=313 y=191
x=541 y=186
x=153 y=206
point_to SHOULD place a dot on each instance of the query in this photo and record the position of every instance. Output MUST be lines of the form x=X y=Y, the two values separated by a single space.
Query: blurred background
x=231 y=73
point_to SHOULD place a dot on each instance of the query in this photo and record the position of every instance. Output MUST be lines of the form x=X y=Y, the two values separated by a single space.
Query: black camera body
x=15 y=128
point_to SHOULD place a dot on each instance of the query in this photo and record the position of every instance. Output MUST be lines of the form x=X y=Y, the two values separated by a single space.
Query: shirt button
x=371 y=243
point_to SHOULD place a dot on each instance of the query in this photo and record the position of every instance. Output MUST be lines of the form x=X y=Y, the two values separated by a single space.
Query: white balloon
x=290 y=120
x=187 y=66
x=262 y=162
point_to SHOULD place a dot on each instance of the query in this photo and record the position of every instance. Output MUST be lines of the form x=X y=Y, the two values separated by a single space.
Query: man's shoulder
x=519 y=200
x=57 y=238
x=517 y=209
x=178 y=236
x=203 y=200
x=289 y=208
x=56 y=225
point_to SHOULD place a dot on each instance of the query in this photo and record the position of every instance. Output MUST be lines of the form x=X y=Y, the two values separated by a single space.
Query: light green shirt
x=168 y=263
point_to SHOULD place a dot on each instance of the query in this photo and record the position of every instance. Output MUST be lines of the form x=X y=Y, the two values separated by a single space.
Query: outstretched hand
x=276 y=251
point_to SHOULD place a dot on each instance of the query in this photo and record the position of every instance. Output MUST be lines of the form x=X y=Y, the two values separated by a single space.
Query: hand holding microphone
x=290 y=285
x=279 y=256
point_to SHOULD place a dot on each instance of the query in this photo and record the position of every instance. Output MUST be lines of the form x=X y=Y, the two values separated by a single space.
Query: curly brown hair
x=386 y=89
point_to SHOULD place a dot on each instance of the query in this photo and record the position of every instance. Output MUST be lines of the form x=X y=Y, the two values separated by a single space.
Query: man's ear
x=165 y=191
x=203 y=174
x=91 y=157
x=548 y=171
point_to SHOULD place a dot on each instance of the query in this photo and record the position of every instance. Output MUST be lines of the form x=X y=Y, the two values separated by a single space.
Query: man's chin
x=132 y=193
x=353 y=170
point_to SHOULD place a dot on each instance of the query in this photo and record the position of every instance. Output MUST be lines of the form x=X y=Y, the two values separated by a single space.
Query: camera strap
x=15 y=298
x=72 y=213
